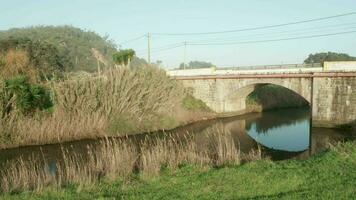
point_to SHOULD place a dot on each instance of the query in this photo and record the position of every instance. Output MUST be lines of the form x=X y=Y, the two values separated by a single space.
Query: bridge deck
x=281 y=75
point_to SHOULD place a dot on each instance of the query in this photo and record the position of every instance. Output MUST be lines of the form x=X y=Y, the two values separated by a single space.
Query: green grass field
x=329 y=175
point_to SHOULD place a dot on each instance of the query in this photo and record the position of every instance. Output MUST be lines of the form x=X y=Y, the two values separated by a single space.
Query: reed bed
x=119 y=159
x=118 y=102
x=55 y=128
x=139 y=92
x=22 y=175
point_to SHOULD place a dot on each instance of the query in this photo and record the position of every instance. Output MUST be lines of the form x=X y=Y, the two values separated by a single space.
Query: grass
x=329 y=175
x=191 y=103
x=120 y=158
x=119 y=102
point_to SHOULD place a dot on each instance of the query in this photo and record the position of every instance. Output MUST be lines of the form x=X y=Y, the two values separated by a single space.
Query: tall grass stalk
x=114 y=159
x=26 y=175
x=119 y=102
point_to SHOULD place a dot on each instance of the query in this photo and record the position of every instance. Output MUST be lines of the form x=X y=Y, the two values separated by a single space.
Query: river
x=280 y=134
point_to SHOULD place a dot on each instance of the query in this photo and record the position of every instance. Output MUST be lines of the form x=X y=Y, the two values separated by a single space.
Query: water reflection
x=286 y=130
x=282 y=134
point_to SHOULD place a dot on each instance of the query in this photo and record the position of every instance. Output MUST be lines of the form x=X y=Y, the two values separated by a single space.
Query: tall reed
x=22 y=175
x=112 y=159
x=139 y=92
x=120 y=101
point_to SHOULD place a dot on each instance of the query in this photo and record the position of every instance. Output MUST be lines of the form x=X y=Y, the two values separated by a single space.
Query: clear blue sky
x=123 y=20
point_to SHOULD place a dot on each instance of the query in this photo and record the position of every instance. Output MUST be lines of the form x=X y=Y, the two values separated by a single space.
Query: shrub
x=191 y=103
x=123 y=57
x=31 y=57
x=15 y=62
x=27 y=97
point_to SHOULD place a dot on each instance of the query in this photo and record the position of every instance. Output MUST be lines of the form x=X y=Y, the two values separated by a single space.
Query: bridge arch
x=235 y=100
x=234 y=91
x=333 y=94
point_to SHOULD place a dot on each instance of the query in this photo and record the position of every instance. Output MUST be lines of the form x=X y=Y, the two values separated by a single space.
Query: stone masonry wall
x=334 y=99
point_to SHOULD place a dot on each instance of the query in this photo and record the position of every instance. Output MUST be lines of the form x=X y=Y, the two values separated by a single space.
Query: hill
x=80 y=48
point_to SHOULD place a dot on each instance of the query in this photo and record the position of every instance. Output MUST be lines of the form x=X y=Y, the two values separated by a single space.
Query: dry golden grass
x=25 y=175
x=90 y=107
x=139 y=92
x=114 y=159
x=17 y=62
x=59 y=127
x=254 y=154
x=224 y=150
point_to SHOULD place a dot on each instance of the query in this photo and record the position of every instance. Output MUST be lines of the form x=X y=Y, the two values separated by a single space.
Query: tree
x=329 y=56
x=196 y=65
x=123 y=57
x=33 y=58
x=73 y=44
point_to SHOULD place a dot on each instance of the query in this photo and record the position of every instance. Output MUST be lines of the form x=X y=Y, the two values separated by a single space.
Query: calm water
x=282 y=134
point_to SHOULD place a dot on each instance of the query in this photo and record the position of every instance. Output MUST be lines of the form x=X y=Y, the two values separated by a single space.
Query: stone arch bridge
x=331 y=93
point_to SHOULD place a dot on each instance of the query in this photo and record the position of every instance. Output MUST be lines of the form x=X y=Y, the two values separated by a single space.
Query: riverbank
x=89 y=114
x=118 y=102
x=256 y=180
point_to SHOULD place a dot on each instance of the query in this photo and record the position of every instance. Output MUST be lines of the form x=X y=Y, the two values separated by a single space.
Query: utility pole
x=148 y=48
x=185 y=54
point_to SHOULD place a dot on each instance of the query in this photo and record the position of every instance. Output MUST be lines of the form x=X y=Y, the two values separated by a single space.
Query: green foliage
x=74 y=45
x=196 y=65
x=123 y=57
x=126 y=124
x=43 y=56
x=191 y=103
x=329 y=56
x=27 y=97
x=123 y=124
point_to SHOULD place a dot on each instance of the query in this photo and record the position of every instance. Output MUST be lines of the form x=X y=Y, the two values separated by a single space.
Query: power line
x=272 y=40
x=201 y=43
x=161 y=47
x=133 y=39
x=294 y=31
x=168 y=46
x=248 y=42
x=164 y=49
x=259 y=27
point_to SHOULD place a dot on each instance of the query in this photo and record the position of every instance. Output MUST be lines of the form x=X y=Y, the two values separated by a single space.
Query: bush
x=25 y=56
x=191 y=103
x=27 y=98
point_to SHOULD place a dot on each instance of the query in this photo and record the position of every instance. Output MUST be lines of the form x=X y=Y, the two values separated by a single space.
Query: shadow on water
x=282 y=134
x=279 y=118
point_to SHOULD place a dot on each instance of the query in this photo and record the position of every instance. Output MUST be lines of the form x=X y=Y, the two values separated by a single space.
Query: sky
x=125 y=20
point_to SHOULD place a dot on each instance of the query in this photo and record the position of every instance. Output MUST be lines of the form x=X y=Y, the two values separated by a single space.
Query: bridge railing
x=263 y=69
x=281 y=66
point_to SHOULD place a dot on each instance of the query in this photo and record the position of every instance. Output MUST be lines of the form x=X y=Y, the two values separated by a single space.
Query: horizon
x=136 y=19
